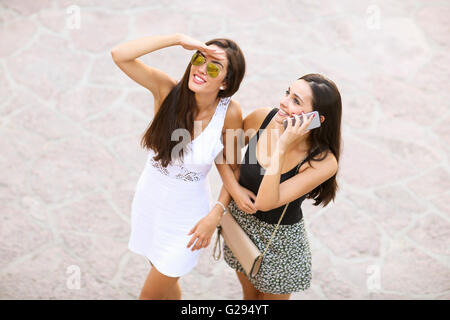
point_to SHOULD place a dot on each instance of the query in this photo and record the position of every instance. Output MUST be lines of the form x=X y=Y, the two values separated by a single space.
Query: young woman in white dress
x=171 y=219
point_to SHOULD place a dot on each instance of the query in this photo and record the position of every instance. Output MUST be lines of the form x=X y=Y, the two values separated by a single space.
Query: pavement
x=71 y=121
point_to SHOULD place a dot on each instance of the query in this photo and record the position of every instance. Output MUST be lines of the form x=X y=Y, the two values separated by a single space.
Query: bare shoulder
x=234 y=111
x=255 y=118
x=233 y=117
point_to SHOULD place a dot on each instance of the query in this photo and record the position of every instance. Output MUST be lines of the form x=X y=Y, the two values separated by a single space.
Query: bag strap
x=282 y=215
x=217 y=257
x=274 y=231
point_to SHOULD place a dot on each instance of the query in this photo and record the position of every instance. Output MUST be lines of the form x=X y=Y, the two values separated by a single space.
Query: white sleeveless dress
x=168 y=202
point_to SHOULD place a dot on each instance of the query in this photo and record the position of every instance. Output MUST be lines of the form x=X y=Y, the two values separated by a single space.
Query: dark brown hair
x=179 y=107
x=326 y=138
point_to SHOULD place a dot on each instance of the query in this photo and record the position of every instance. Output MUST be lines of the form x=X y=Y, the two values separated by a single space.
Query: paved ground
x=71 y=123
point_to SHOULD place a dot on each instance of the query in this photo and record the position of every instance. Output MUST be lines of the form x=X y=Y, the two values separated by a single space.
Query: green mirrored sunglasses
x=198 y=59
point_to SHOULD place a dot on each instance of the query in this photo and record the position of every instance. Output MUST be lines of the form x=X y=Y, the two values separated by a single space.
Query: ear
x=322 y=119
x=223 y=86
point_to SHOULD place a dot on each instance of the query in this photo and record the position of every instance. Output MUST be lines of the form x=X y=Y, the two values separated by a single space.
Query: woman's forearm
x=133 y=49
x=230 y=177
x=269 y=190
x=224 y=198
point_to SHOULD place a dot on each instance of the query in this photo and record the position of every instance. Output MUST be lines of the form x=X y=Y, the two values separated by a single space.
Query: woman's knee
x=174 y=292
x=157 y=286
x=248 y=290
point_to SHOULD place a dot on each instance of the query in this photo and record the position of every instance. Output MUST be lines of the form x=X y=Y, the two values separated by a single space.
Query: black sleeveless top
x=252 y=173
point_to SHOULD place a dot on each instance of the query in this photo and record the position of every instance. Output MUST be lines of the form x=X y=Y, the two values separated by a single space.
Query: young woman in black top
x=267 y=180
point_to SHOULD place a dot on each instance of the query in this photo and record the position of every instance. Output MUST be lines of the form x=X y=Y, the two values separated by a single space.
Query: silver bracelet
x=223 y=207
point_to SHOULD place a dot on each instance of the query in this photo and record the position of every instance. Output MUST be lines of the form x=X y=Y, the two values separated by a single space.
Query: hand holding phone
x=315 y=123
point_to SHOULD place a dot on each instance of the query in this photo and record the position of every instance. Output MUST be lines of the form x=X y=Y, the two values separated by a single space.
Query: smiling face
x=199 y=79
x=298 y=98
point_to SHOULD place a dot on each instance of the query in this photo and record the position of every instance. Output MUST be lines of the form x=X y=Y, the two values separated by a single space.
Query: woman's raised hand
x=294 y=132
x=189 y=43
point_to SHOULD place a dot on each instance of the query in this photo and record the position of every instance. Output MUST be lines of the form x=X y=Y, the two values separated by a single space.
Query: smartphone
x=315 y=123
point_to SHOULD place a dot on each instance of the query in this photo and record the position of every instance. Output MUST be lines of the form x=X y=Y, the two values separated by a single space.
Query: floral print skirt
x=286 y=267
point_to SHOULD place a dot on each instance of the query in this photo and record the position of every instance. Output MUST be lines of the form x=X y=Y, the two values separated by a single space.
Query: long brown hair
x=178 y=108
x=326 y=138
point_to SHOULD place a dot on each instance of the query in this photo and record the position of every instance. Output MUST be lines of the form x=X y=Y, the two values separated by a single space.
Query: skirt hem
x=158 y=266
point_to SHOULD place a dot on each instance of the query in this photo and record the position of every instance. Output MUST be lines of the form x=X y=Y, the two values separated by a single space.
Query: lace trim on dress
x=159 y=166
x=185 y=174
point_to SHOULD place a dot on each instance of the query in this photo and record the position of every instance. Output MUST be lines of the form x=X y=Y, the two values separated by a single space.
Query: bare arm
x=243 y=197
x=272 y=194
x=129 y=51
x=224 y=196
x=233 y=138
x=227 y=160
x=125 y=57
x=158 y=82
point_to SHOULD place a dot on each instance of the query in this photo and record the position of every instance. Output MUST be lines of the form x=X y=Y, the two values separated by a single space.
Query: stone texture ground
x=70 y=124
